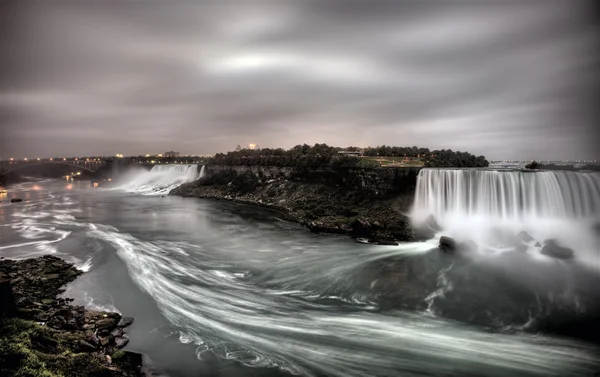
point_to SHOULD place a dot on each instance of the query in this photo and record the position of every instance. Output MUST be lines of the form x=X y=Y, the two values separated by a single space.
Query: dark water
x=228 y=290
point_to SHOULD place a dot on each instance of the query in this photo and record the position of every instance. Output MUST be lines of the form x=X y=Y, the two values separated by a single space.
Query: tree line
x=323 y=155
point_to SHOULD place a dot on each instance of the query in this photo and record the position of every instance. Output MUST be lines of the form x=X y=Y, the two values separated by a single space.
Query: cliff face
x=362 y=202
x=380 y=182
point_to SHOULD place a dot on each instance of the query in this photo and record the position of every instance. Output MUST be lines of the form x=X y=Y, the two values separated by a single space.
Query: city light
x=64 y=159
x=38 y=159
x=12 y=159
x=25 y=159
x=152 y=161
x=147 y=155
x=78 y=173
x=119 y=155
x=51 y=159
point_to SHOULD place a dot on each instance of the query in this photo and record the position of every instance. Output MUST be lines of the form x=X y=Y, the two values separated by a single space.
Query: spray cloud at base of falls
x=161 y=179
x=475 y=203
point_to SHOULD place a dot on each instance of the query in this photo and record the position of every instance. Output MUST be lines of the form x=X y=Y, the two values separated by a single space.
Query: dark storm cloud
x=504 y=79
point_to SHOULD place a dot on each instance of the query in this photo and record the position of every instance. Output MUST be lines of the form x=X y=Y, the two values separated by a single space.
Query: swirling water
x=229 y=290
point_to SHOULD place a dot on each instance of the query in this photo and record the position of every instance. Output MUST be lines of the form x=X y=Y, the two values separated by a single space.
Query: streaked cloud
x=503 y=79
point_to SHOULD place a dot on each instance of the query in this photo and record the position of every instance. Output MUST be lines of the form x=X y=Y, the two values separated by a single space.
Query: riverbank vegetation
x=323 y=155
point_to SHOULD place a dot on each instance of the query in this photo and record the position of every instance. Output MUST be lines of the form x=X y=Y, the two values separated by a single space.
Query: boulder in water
x=552 y=249
x=447 y=244
x=16 y=200
x=125 y=321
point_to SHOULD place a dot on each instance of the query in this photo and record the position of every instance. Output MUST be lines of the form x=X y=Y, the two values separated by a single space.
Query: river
x=230 y=290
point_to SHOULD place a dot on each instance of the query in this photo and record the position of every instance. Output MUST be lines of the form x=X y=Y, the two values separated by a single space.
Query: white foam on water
x=62 y=235
x=85 y=267
x=223 y=312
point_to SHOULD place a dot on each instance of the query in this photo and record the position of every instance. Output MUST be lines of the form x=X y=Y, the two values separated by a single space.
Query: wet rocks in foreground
x=69 y=339
x=125 y=321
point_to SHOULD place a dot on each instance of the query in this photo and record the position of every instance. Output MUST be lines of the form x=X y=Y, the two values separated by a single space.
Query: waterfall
x=202 y=172
x=161 y=179
x=508 y=194
x=492 y=207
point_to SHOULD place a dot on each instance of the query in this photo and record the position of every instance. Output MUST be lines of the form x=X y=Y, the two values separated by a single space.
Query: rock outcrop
x=447 y=244
x=367 y=203
x=552 y=249
x=66 y=329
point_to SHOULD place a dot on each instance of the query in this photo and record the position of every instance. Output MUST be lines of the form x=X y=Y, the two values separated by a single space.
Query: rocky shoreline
x=42 y=333
x=319 y=207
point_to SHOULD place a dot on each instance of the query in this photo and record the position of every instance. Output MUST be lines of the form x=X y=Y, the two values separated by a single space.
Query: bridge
x=93 y=164
x=89 y=164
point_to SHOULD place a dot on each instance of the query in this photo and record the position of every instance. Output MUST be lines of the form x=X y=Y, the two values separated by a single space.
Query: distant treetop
x=323 y=154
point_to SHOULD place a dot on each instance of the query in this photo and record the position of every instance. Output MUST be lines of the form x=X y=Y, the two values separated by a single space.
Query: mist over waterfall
x=478 y=204
x=161 y=179
x=527 y=247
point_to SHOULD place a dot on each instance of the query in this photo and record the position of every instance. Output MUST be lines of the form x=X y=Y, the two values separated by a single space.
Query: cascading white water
x=202 y=171
x=481 y=204
x=508 y=194
x=162 y=179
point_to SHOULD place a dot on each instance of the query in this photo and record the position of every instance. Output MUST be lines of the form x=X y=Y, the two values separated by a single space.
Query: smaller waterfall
x=202 y=171
x=162 y=179
x=507 y=194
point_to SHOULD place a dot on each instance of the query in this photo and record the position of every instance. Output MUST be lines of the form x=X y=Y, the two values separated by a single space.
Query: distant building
x=350 y=153
x=172 y=154
x=238 y=148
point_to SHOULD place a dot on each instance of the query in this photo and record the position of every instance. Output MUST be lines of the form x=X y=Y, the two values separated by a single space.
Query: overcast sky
x=504 y=79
